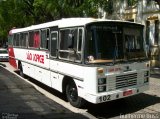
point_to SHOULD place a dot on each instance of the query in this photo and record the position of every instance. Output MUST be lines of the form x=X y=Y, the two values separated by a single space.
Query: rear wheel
x=72 y=95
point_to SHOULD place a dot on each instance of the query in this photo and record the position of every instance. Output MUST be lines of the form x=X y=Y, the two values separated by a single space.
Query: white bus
x=87 y=59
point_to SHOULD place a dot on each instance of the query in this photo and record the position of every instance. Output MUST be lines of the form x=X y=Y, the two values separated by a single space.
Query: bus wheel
x=72 y=95
x=21 y=71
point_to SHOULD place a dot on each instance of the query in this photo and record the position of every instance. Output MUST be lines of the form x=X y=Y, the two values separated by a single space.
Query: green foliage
x=21 y=13
x=132 y=2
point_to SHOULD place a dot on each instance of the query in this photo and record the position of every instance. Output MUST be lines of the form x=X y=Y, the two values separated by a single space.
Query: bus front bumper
x=117 y=94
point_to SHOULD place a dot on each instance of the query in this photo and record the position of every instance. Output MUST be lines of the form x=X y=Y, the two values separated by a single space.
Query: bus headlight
x=101 y=88
x=101 y=81
x=100 y=70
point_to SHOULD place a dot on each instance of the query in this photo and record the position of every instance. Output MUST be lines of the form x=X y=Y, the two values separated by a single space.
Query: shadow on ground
x=123 y=106
x=50 y=90
x=20 y=100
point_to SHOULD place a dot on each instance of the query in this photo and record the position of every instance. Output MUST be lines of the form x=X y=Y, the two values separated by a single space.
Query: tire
x=72 y=95
x=21 y=71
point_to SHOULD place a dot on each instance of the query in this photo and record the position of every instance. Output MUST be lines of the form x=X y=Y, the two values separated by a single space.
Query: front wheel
x=72 y=95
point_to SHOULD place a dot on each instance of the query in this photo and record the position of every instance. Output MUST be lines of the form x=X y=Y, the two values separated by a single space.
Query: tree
x=22 y=13
x=158 y=2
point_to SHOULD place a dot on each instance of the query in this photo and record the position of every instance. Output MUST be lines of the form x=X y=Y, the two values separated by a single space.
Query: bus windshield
x=110 y=42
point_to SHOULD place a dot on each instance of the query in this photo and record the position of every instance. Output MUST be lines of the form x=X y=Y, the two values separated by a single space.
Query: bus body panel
x=12 y=60
x=34 y=63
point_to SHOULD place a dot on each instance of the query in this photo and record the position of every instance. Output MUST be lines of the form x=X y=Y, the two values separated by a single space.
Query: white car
x=3 y=54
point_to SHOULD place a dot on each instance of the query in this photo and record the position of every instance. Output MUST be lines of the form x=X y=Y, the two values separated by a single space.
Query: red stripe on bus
x=12 y=60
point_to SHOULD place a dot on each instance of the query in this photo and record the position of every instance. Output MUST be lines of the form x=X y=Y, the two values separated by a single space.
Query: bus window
x=36 y=39
x=64 y=35
x=44 y=38
x=133 y=41
x=80 y=31
x=21 y=38
x=16 y=40
x=31 y=38
x=10 y=40
x=24 y=38
x=68 y=44
x=54 y=37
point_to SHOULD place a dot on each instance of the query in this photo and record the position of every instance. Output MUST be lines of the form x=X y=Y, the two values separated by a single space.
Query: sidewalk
x=156 y=76
x=20 y=100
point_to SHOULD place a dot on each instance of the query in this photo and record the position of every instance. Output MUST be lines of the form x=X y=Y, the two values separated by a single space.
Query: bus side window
x=16 y=39
x=80 y=37
x=36 y=42
x=74 y=33
x=44 y=38
x=10 y=40
x=23 y=37
x=64 y=43
x=26 y=39
x=64 y=39
x=70 y=44
x=54 y=39
x=31 y=39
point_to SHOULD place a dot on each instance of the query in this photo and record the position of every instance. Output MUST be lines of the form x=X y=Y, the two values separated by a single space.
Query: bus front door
x=55 y=83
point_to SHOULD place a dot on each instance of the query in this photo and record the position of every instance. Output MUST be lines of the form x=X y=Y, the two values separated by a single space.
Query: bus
x=87 y=59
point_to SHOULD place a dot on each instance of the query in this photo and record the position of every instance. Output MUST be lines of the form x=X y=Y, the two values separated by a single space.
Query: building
x=146 y=12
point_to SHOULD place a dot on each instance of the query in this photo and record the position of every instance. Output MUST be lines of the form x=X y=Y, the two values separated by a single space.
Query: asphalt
x=20 y=100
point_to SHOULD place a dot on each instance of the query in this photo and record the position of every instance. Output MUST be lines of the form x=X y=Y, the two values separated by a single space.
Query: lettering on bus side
x=29 y=56
x=38 y=58
x=35 y=57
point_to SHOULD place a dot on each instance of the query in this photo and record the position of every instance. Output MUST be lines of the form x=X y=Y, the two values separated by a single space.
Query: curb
x=1 y=64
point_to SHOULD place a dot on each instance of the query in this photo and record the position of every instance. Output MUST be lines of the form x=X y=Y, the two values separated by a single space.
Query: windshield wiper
x=115 y=50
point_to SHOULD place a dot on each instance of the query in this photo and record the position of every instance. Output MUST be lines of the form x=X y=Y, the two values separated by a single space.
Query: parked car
x=3 y=54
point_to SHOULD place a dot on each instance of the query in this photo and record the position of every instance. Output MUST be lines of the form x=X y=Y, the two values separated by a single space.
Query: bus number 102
x=105 y=98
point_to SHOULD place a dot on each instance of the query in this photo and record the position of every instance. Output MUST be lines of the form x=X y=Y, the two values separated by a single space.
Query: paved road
x=20 y=100
x=142 y=106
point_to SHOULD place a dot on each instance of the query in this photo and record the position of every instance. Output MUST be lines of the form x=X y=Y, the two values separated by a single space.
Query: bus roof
x=62 y=23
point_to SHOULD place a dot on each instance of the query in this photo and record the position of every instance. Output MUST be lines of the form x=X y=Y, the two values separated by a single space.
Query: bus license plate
x=128 y=92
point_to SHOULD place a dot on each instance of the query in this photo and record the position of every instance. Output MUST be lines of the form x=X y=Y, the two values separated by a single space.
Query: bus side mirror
x=70 y=40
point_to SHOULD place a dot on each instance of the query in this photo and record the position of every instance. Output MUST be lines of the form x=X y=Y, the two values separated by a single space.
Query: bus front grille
x=126 y=80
